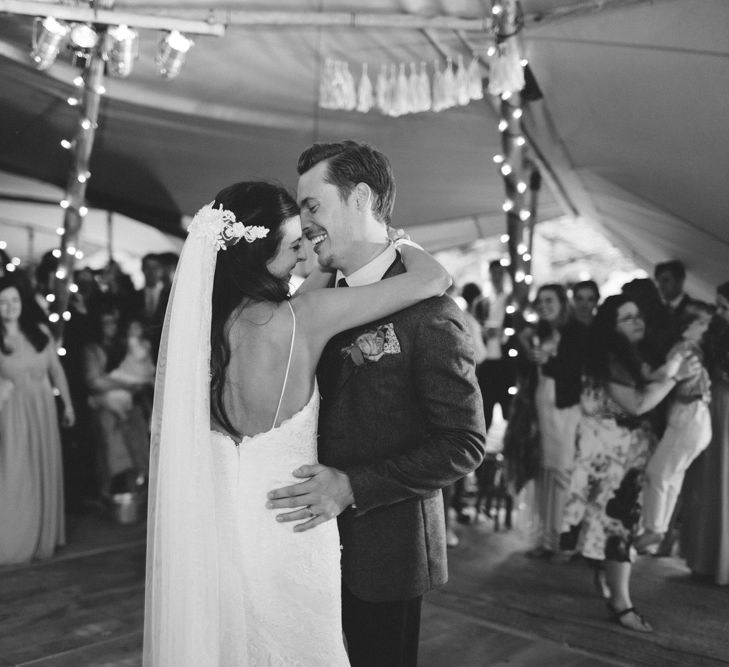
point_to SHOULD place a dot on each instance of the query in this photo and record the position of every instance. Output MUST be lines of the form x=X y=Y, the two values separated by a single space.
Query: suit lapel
x=348 y=368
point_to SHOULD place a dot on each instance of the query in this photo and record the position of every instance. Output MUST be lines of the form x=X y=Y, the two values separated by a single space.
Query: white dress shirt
x=372 y=271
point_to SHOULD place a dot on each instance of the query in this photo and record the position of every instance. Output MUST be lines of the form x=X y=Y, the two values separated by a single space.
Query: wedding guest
x=661 y=331
x=585 y=297
x=118 y=421
x=557 y=425
x=670 y=277
x=687 y=433
x=614 y=441
x=707 y=545
x=455 y=496
x=32 y=522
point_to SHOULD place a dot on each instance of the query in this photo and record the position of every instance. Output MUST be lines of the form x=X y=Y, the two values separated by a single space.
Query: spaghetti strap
x=288 y=365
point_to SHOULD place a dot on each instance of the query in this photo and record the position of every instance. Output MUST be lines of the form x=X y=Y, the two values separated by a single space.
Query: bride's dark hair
x=241 y=272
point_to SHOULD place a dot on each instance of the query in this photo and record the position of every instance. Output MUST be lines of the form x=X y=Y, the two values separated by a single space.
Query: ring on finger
x=312 y=514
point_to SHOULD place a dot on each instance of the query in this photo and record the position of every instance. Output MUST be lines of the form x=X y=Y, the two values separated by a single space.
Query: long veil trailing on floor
x=182 y=620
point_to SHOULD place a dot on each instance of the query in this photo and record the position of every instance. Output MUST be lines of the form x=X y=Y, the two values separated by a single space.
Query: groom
x=401 y=413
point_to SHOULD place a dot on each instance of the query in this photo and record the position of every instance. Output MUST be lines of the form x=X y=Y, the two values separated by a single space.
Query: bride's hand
x=416 y=260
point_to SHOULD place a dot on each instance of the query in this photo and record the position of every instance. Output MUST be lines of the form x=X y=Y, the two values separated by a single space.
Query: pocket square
x=371 y=346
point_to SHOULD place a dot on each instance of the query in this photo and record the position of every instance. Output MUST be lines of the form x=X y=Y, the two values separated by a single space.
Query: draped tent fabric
x=630 y=131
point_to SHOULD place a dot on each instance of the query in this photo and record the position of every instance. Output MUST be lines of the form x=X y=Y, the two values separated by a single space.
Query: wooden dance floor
x=85 y=607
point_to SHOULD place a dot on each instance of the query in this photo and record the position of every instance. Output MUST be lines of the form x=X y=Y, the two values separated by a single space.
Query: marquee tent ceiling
x=629 y=133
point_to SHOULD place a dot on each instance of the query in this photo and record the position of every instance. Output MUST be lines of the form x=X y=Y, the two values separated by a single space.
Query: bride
x=236 y=406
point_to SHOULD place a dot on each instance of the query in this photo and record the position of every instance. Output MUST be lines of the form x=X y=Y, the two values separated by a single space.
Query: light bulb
x=513 y=352
x=64 y=203
x=521 y=187
x=61 y=353
x=53 y=317
x=503 y=125
x=509 y=331
x=72 y=101
x=521 y=248
x=83 y=211
x=73 y=287
x=526 y=256
x=525 y=215
x=506 y=169
x=66 y=315
x=520 y=141
x=507 y=205
x=517 y=114
x=504 y=238
x=512 y=391
x=50 y=298
x=498 y=159
x=60 y=231
x=510 y=309
x=65 y=143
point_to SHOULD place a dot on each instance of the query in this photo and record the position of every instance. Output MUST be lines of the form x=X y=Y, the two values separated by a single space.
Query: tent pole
x=110 y=234
x=512 y=165
x=78 y=178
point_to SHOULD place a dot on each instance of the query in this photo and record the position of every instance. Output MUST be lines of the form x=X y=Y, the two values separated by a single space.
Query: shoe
x=463 y=516
x=540 y=552
x=451 y=538
x=630 y=618
x=646 y=540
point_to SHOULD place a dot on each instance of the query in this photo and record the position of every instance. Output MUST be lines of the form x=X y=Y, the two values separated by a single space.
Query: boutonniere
x=373 y=345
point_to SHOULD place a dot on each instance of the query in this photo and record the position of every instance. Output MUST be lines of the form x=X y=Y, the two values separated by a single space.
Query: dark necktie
x=342 y=282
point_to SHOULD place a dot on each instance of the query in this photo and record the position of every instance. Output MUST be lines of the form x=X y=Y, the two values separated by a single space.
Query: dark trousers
x=381 y=634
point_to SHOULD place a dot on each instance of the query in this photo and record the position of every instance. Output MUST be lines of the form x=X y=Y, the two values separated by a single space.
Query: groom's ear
x=363 y=196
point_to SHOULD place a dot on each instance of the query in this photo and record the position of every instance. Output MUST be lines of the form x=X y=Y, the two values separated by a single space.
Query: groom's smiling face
x=327 y=221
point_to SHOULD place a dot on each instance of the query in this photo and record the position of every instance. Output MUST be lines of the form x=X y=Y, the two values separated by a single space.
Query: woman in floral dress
x=614 y=441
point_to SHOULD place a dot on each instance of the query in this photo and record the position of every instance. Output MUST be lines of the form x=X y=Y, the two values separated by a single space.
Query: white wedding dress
x=280 y=591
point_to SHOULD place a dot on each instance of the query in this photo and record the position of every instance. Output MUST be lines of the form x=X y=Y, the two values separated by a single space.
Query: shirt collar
x=373 y=270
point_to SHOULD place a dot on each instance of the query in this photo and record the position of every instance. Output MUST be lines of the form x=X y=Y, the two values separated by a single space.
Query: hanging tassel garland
x=401 y=89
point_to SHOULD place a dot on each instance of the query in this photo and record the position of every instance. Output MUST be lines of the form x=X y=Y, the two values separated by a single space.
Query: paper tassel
x=413 y=92
x=349 y=89
x=381 y=90
x=475 y=84
x=462 y=93
x=424 y=96
x=438 y=98
x=450 y=98
x=506 y=73
x=365 y=92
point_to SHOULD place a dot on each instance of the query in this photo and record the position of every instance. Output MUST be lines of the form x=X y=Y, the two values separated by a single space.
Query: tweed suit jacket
x=402 y=427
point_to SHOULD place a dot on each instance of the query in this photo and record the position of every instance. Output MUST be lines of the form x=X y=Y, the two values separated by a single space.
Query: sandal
x=630 y=618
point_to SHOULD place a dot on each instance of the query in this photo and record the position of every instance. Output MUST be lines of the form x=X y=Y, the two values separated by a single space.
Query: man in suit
x=670 y=277
x=401 y=413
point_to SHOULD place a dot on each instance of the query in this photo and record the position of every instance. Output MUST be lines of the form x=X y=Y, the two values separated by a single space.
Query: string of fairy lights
x=113 y=48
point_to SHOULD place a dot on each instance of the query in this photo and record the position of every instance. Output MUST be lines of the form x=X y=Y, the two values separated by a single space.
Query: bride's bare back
x=260 y=339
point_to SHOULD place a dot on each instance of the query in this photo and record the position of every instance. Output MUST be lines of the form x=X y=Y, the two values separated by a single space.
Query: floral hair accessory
x=220 y=227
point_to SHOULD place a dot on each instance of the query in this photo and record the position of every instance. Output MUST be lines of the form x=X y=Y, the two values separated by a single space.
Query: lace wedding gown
x=280 y=591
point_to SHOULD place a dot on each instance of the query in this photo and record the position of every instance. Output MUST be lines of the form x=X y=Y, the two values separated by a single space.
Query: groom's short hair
x=351 y=162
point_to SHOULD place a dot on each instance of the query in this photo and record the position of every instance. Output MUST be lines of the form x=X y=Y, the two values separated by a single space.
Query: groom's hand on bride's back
x=324 y=495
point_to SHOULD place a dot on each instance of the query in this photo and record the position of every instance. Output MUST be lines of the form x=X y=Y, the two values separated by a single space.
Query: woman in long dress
x=707 y=517
x=236 y=407
x=614 y=441
x=32 y=522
